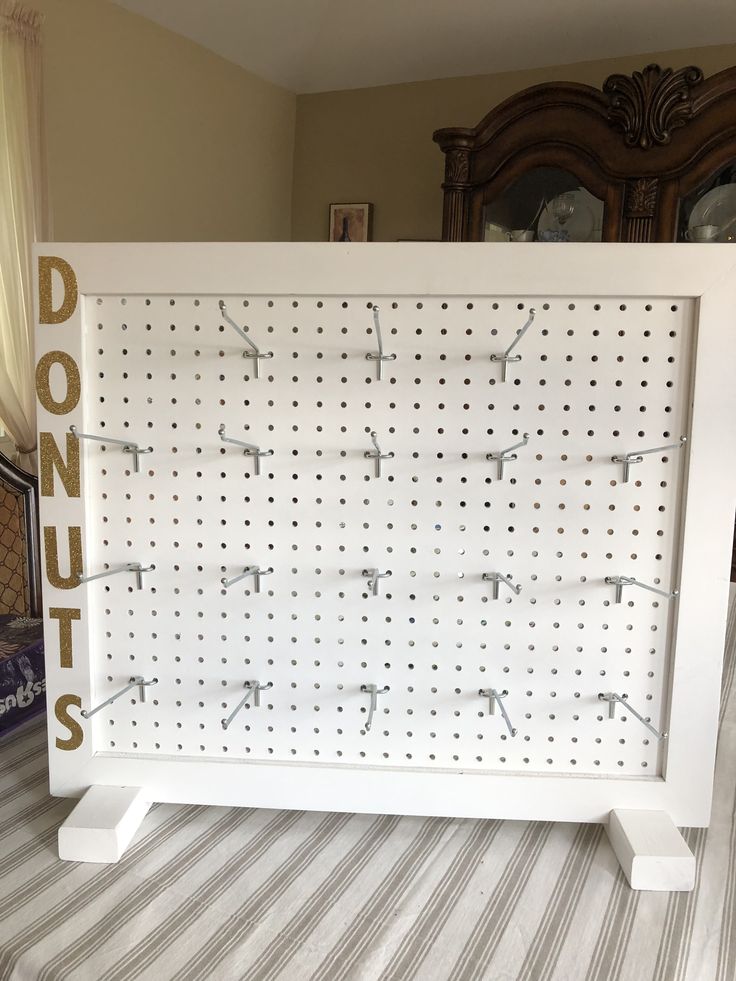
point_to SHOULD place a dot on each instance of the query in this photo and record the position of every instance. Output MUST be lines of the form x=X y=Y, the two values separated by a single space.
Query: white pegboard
x=600 y=375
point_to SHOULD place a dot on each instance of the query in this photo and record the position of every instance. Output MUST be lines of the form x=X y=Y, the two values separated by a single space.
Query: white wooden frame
x=687 y=271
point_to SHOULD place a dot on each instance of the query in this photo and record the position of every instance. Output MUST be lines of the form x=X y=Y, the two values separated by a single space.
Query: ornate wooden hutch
x=647 y=147
x=646 y=158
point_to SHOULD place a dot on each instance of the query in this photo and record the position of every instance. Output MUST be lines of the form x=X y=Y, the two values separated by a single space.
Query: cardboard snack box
x=22 y=673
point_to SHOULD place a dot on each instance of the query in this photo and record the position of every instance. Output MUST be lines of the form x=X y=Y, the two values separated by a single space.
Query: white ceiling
x=322 y=45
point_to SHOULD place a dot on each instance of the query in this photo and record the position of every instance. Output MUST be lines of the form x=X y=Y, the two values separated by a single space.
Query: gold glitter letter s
x=46 y=312
x=61 y=711
x=51 y=547
x=52 y=460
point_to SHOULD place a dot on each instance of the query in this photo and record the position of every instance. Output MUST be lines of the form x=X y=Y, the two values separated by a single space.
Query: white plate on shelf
x=495 y=233
x=583 y=225
x=717 y=207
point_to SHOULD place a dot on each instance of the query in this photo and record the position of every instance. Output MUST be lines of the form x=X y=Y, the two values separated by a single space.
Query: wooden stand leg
x=101 y=826
x=651 y=851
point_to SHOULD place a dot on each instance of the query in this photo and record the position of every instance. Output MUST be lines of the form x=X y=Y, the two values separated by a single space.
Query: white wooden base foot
x=100 y=827
x=651 y=851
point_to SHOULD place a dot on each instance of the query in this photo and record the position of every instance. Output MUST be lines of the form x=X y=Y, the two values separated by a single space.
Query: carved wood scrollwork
x=641 y=197
x=457 y=167
x=651 y=103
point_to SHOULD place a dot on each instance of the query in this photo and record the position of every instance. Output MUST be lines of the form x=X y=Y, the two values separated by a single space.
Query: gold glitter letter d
x=46 y=312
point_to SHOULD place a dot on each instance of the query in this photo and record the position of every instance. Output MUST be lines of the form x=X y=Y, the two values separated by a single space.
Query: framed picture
x=351 y=222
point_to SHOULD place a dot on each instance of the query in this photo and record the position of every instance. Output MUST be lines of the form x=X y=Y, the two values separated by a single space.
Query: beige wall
x=376 y=144
x=151 y=137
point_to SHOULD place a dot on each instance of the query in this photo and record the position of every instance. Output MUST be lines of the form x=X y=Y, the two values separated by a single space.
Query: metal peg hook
x=506 y=357
x=136 y=681
x=637 y=456
x=612 y=697
x=495 y=698
x=505 y=456
x=134 y=567
x=250 y=449
x=128 y=445
x=620 y=581
x=377 y=456
x=374 y=577
x=250 y=570
x=496 y=578
x=254 y=688
x=255 y=354
x=380 y=357
x=374 y=692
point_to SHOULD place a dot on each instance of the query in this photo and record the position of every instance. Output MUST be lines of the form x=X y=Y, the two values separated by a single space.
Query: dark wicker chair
x=20 y=567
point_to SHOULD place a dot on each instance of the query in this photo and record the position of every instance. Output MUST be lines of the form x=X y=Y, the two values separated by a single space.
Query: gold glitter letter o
x=73 y=382
x=61 y=711
x=46 y=312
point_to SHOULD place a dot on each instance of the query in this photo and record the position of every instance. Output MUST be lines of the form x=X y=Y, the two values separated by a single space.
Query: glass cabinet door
x=709 y=213
x=546 y=204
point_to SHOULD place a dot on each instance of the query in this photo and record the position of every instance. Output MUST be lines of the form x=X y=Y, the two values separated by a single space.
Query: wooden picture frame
x=352 y=220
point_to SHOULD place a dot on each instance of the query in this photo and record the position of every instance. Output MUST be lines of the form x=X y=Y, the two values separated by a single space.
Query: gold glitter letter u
x=51 y=547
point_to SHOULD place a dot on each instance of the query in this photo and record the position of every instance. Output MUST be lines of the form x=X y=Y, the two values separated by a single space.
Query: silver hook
x=254 y=352
x=506 y=357
x=620 y=581
x=637 y=456
x=495 y=698
x=612 y=697
x=377 y=456
x=128 y=445
x=374 y=577
x=254 y=688
x=496 y=578
x=374 y=692
x=135 y=682
x=380 y=357
x=505 y=456
x=250 y=570
x=134 y=567
x=250 y=449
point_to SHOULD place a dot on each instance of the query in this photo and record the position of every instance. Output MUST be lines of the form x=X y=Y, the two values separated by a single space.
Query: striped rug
x=210 y=893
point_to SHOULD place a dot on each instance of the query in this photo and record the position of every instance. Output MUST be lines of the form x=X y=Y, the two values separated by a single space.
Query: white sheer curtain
x=23 y=218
